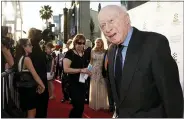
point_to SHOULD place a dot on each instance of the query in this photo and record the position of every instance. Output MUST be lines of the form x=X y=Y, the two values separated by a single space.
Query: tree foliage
x=46 y=12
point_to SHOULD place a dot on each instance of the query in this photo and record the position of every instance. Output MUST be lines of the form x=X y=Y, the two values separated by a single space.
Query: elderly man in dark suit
x=143 y=75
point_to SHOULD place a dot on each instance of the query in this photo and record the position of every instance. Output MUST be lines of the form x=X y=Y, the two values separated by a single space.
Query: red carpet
x=56 y=109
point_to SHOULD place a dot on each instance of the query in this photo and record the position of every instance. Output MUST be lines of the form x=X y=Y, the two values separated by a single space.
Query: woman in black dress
x=39 y=60
x=74 y=65
x=24 y=64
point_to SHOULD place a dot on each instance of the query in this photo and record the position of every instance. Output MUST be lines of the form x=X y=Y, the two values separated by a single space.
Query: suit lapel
x=132 y=57
x=111 y=58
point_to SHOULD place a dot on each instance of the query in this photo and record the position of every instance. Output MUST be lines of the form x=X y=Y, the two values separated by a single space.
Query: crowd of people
x=129 y=78
x=48 y=62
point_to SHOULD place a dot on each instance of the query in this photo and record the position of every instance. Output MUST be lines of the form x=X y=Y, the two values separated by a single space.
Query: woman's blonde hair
x=102 y=48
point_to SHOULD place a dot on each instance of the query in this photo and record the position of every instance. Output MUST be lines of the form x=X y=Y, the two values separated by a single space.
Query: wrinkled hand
x=40 y=89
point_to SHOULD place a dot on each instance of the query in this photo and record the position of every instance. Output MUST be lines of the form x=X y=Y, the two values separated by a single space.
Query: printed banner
x=164 y=18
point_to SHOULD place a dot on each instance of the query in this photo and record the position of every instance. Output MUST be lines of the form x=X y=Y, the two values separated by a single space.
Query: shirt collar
x=127 y=40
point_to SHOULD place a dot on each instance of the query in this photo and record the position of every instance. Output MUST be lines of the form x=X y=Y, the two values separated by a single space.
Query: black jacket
x=150 y=86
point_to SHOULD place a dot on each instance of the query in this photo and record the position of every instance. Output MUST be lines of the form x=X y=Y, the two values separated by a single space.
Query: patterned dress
x=98 y=90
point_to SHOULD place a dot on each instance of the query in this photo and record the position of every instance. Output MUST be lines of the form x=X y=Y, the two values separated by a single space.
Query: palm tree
x=46 y=13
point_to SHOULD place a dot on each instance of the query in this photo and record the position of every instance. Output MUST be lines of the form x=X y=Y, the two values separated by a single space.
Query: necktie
x=118 y=67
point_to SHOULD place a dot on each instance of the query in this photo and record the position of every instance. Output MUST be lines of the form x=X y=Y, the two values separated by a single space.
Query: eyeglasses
x=80 y=43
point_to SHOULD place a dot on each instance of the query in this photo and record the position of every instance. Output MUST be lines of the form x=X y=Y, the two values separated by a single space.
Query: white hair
x=124 y=9
x=121 y=8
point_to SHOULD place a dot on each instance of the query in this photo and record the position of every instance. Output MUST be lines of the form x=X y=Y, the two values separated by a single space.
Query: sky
x=31 y=17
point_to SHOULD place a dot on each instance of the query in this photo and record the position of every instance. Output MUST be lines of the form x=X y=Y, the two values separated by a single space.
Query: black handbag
x=24 y=79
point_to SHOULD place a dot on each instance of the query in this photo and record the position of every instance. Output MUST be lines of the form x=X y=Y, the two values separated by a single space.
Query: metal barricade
x=9 y=95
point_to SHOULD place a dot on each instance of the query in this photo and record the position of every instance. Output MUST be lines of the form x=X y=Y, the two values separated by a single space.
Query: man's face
x=114 y=24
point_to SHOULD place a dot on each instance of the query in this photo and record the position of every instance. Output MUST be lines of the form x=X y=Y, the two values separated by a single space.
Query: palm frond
x=46 y=12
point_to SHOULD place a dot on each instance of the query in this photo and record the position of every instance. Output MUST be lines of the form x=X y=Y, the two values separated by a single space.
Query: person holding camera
x=6 y=57
x=5 y=49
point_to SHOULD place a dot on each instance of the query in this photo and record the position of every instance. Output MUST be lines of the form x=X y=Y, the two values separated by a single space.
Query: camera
x=47 y=34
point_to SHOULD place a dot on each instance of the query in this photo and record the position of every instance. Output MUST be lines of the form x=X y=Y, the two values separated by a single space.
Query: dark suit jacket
x=150 y=84
x=39 y=60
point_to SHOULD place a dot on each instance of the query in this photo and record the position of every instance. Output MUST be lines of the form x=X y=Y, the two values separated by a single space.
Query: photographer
x=5 y=49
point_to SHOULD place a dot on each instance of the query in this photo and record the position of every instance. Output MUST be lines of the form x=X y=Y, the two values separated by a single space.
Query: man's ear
x=127 y=17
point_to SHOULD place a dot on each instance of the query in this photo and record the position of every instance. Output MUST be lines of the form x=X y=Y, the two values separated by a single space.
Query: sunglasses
x=80 y=43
